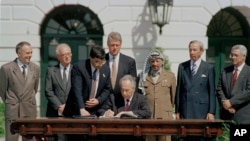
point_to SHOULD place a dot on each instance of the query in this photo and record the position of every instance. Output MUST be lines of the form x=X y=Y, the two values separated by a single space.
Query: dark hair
x=97 y=52
x=20 y=45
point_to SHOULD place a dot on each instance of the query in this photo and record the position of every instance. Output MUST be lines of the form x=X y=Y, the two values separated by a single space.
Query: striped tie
x=194 y=69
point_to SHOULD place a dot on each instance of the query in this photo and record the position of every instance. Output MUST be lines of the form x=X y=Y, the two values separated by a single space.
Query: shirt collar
x=125 y=100
x=20 y=64
x=240 y=67
x=197 y=62
x=62 y=67
x=116 y=57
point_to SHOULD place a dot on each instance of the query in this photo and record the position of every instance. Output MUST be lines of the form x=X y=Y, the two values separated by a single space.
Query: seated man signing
x=135 y=105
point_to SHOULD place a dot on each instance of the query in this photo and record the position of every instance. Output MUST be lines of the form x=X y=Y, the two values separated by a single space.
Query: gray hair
x=20 y=45
x=114 y=36
x=196 y=41
x=130 y=78
x=62 y=45
x=242 y=48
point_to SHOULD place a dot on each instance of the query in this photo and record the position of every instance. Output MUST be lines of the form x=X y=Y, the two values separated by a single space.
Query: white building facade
x=24 y=20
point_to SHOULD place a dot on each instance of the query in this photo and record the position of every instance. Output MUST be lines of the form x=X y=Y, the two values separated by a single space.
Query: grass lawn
x=2 y=125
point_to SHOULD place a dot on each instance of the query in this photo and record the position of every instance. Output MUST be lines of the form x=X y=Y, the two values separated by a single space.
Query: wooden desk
x=136 y=127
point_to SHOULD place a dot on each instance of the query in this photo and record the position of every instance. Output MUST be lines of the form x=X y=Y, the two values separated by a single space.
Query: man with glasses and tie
x=58 y=84
x=19 y=82
x=233 y=89
x=119 y=64
x=134 y=105
x=195 y=92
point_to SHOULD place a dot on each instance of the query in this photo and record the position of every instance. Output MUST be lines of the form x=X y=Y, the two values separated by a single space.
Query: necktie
x=234 y=77
x=65 y=81
x=93 y=85
x=126 y=105
x=24 y=71
x=193 y=70
x=113 y=75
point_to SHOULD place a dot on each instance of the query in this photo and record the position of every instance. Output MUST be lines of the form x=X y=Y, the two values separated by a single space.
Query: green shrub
x=2 y=124
x=225 y=136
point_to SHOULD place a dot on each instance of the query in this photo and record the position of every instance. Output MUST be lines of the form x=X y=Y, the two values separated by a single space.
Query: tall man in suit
x=195 y=92
x=233 y=89
x=58 y=84
x=119 y=64
x=18 y=87
x=133 y=105
x=90 y=84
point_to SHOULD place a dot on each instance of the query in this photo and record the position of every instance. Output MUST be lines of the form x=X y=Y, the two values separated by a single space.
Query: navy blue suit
x=195 y=95
x=81 y=78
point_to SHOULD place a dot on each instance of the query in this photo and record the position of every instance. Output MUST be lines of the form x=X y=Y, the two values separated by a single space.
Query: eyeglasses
x=66 y=54
x=235 y=55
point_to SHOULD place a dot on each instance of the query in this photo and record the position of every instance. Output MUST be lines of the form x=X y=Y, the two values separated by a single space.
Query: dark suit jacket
x=239 y=96
x=126 y=65
x=55 y=92
x=195 y=95
x=81 y=78
x=138 y=106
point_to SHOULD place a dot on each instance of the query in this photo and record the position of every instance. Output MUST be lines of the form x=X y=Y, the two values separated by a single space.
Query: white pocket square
x=203 y=75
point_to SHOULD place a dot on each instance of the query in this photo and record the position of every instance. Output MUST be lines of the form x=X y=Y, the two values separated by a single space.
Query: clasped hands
x=227 y=105
x=89 y=104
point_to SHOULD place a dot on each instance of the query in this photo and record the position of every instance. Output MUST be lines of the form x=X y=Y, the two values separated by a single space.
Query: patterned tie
x=93 y=85
x=234 y=77
x=65 y=81
x=24 y=71
x=193 y=70
x=126 y=105
x=113 y=75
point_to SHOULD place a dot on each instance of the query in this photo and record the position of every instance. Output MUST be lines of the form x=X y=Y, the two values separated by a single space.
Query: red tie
x=234 y=77
x=126 y=105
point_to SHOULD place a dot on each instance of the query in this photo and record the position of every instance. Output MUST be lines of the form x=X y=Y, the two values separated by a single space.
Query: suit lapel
x=89 y=73
x=58 y=76
x=229 y=76
x=69 y=80
x=30 y=74
x=240 y=78
x=18 y=73
x=132 y=104
x=199 y=72
x=187 y=74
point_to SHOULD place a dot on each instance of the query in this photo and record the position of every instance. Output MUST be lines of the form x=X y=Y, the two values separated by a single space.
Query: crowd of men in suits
x=105 y=85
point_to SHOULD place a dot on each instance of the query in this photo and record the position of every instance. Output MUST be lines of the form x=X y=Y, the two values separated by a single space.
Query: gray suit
x=18 y=94
x=55 y=92
x=239 y=96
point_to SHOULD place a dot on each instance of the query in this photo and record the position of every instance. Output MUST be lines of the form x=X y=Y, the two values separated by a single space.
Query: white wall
x=21 y=20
